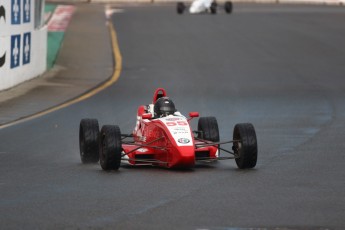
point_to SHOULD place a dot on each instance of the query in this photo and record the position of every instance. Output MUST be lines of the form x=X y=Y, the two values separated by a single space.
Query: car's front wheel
x=245 y=145
x=110 y=147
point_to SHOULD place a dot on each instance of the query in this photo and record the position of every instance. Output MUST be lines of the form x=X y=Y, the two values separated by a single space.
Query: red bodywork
x=157 y=144
x=166 y=142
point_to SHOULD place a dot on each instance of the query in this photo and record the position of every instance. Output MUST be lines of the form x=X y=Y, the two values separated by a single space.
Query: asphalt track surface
x=280 y=67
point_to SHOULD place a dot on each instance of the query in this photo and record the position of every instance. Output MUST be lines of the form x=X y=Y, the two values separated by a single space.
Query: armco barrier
x=23 y=41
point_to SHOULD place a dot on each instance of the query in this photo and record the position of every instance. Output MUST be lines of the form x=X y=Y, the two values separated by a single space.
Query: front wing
x=141 y=153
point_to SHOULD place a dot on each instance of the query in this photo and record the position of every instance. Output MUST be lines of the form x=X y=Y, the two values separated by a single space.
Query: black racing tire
x=110 y=147
x=245 y=149
x=208 y=129
x=180 y=7
x=228 y=7
x=213 y=7
x=89 y=140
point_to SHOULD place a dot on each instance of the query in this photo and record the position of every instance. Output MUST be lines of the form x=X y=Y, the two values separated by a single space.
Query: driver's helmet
x=164 y=106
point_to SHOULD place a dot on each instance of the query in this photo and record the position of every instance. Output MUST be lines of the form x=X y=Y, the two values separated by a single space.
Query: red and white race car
x=203 y=6
x=163 y=137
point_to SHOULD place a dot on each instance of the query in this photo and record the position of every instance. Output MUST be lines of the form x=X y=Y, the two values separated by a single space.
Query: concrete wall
x=23 y=47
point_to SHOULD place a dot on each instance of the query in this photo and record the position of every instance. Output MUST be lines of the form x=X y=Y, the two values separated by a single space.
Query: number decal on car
x=180 y=123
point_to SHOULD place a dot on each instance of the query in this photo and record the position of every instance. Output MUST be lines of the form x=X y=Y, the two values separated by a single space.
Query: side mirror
x=146 y=116
x=194 y=114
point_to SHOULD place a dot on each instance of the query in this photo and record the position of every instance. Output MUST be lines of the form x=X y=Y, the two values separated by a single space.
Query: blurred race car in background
x=163 y=137
x=203 y=6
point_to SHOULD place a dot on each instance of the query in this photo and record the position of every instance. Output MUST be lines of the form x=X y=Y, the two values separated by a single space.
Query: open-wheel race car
x=163 y=137
x=204 y=6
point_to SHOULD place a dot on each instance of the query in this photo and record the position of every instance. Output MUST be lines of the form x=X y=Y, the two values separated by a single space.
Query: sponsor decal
x=183 y=140
x=180 y=129
x=180 y=132
x=142 y=150
x=15 y=12
x=173 y=119
x=2 y=13
x=15 y=51
x=26 y=12
x=26 y=48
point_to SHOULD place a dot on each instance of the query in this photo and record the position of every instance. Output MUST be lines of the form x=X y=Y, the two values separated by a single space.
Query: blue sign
x=15 y=11
x=26 y=48
x=15 y=51
x=27 y=11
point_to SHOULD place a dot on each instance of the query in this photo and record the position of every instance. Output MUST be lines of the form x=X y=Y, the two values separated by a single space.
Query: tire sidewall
x=246 y=147
x=89 y=140
x=110 y=147
x=208 y=126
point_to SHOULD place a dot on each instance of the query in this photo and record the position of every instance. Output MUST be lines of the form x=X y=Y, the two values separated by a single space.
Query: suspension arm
x=145 y=145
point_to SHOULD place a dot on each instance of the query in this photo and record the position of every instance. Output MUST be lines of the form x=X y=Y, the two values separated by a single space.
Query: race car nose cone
x=184 y=158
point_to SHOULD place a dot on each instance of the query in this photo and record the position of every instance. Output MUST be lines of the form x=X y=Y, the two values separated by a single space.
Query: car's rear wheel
x=89 y=140
x=208 y=129
x=228 y=7
x=180 y=7
x=245 y=145
x=110 y=147
x=213 y=7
